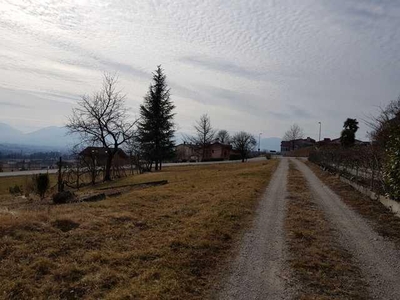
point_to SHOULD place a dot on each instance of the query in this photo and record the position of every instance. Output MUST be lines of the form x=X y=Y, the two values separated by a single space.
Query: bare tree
x=134 y=148
x=223 y=136
x=205 y=134
x=102 y=119
x=294 y=133
x=244 y=143
x=385 y=123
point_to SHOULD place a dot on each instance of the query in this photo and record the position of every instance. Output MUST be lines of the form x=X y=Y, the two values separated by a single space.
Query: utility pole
x=319 y=138
x=259 y=142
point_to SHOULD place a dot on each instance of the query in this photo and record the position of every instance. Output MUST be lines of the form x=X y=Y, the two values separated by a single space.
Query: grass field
x=164 y=242
x=7 y=182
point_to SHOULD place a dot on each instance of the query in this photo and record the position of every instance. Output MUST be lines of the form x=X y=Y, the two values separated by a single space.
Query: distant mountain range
x=56 y=138
x=48 y=138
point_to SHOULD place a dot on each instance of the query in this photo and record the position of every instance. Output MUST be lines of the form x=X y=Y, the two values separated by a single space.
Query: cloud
x=222 y=66
x=17 y=105
x=267 y=62
x=124 y=68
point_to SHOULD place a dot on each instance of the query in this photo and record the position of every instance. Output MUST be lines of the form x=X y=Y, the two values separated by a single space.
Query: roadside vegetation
x=383 y=221
x=321 y=267
x=375 y=164
x=163 y=242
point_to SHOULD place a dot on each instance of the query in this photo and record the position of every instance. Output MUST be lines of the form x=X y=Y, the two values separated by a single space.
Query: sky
x=252 y=65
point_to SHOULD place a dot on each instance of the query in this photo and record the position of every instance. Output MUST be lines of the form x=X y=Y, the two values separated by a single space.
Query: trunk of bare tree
x=156 y=165
x=110 y=156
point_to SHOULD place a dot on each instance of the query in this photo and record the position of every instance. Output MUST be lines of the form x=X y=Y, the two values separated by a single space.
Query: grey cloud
x=299 y=112
x=222 y=66
x=125 y=68
x=89 y=59
x=17 y=105
x=315 y=52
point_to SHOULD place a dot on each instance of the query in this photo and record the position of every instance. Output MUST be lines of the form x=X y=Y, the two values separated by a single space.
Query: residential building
x=99 y=155
x=296 y=144
x=212 y=151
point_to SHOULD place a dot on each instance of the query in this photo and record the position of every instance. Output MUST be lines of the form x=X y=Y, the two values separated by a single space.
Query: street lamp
x=319 y=138
x=259 y=144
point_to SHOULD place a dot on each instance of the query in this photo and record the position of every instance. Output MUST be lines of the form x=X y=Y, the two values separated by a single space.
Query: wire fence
x=360 y=164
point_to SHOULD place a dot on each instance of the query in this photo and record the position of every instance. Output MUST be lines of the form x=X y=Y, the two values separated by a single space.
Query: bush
x=41 y=183
x=15 y=190
x=268 y=156
x=235 y=157
x=63 y=197
x=392 y=168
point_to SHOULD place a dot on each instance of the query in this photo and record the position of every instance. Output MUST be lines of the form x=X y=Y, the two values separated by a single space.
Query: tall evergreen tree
x=156 y=126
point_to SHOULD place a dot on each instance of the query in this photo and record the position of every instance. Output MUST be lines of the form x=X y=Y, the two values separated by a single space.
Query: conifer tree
x=156 y=126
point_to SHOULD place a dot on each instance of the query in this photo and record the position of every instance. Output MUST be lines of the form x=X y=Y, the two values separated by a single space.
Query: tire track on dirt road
x=258 y=270
x=378 y=258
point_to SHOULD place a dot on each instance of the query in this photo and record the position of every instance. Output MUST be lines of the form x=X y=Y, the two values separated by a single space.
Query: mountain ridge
x=47 y=137
x=53 y=137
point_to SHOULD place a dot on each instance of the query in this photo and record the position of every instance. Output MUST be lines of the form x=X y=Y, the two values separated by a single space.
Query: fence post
x=60 y=186
x=77 y=176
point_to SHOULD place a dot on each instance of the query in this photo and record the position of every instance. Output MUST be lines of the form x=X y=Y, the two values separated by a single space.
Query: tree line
x=242 y=142
x=103 y=120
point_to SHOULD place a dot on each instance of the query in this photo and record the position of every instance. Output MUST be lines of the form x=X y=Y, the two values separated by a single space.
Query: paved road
x=258 y=270
x=378 y=258
x=52 y=171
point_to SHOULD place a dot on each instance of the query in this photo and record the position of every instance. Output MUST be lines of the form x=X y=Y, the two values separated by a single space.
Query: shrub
x=15 y=190
x=63 y=197
x=41 y=183
x=268 y=156
x=392 y=167
x=235 y=157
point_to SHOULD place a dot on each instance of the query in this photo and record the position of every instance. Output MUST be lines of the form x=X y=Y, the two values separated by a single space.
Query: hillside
x=46 y=138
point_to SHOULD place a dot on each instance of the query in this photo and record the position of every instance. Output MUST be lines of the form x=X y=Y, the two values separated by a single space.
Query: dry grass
x=163 y=242
x=322 y=269
x=383 y=221
x=7 y=182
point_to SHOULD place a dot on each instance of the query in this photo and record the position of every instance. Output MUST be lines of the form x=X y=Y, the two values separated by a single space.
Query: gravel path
x=258 y=271
x=378 y=258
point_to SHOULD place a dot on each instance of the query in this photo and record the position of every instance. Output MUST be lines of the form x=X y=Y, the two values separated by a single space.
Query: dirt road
x=378 y=258
x=258 y=270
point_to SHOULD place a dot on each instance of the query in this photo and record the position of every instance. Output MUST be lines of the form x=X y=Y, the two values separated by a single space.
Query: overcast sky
x=253 y=65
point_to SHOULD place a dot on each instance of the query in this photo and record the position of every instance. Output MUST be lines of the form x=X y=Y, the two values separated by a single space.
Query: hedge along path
x=321 y=267
x=377 y=257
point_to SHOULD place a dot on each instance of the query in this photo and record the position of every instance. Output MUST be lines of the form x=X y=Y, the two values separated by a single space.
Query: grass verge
x=322 y=269
x=382 y=220
x=164 y=242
